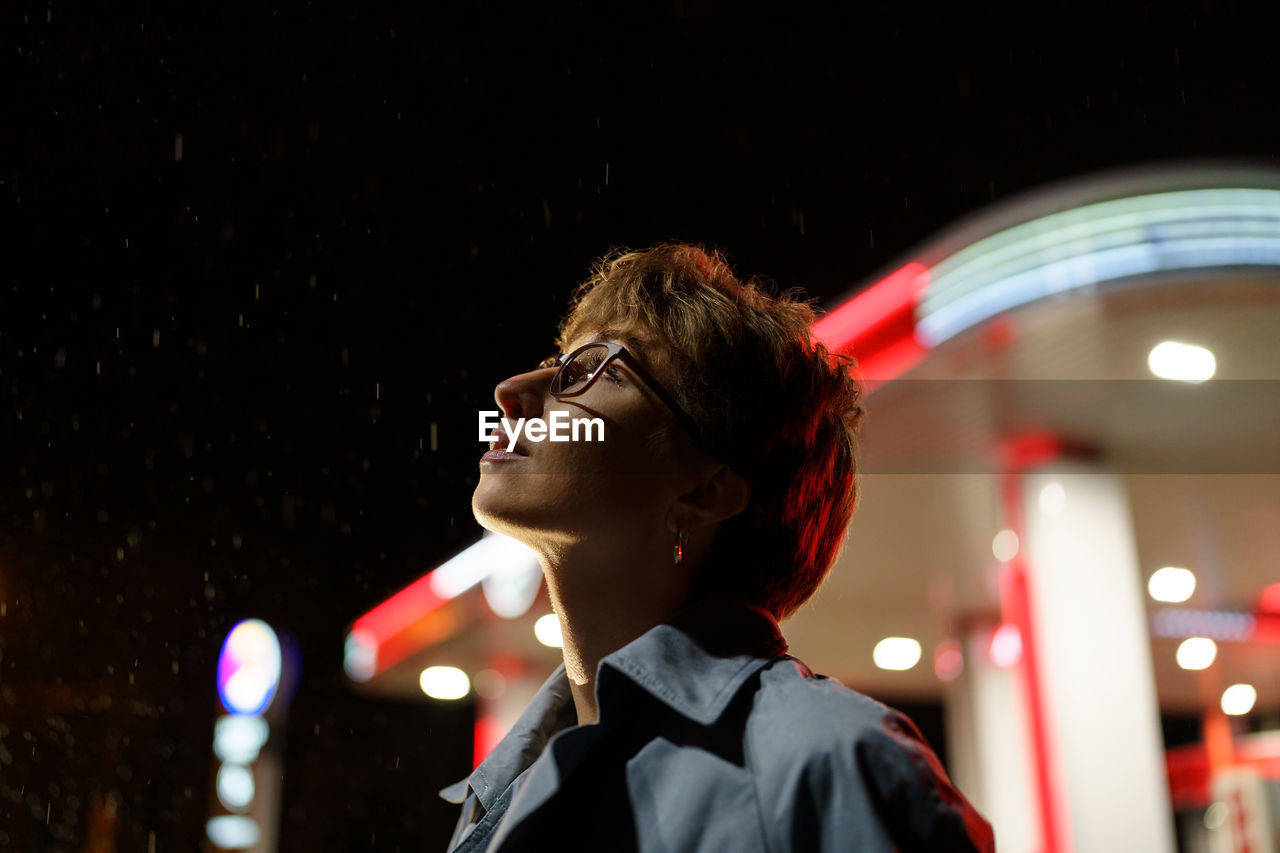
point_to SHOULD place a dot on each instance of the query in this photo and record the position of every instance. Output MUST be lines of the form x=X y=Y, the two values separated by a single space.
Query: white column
x=1094 y=653
x=990 y=750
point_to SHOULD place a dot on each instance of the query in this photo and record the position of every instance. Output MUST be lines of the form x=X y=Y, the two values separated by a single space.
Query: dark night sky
x=219 y=373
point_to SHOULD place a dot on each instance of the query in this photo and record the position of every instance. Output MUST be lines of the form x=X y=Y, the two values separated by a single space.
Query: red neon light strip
x=889 y=362
x=1015 y=602
x=850 y=326
x=399 y=611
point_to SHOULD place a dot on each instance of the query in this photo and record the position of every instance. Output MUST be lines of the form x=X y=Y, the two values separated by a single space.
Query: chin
x=483 y=507
x=498 y=509
x=533 y=519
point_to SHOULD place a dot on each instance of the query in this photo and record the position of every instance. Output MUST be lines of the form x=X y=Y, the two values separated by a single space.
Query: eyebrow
x=628 y=340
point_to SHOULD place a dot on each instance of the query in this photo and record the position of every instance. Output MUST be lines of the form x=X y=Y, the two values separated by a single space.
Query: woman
x=713 y=507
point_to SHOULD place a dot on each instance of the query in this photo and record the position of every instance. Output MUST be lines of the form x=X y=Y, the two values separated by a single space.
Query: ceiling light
x=948 y=660
x=1006 y=646
x=490 y=684
x=547 y=630
x=444 y=682
x=1184 y=362
x=1196 y=653
x=897 y=653
x=1238 y=699
x=1005 y=545
x=1171 y=584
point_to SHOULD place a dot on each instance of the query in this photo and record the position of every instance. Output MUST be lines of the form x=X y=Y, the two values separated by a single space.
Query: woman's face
x=621 y=486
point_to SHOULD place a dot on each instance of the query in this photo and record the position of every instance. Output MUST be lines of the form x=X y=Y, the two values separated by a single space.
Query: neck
x=604 y=601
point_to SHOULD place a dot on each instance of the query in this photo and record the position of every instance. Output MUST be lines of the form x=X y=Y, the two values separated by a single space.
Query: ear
x=722 y=494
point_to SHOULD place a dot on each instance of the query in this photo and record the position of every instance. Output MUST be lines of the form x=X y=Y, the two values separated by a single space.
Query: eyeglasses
x=579 y=370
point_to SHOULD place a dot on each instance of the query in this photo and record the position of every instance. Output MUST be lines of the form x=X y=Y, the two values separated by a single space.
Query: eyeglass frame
x=619 y=352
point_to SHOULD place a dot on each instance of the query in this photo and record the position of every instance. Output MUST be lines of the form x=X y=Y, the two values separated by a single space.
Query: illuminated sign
x=253 y=673
x=249 y=668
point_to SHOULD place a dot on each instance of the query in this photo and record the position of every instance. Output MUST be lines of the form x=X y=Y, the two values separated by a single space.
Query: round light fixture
x=1197 y=653
x=444 y=682
x=1183 y=362
x=547 y=630
x=1238 y=699
x=1171 y=584
x=1005 y=545
x=897 y=653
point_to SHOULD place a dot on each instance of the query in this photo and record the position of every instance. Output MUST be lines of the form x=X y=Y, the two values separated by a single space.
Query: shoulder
x=820 y=712
x=857 y=765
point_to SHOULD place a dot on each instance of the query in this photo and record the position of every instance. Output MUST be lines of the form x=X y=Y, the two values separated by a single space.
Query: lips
x=501 y=439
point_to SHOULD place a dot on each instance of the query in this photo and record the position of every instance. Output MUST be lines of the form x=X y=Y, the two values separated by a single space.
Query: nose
x=523 y=395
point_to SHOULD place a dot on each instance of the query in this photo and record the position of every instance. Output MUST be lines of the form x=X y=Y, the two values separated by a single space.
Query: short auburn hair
x=773 y=404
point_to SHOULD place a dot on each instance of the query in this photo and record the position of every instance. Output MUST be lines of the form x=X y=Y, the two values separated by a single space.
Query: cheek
x=629 y=447
x=622 y=456
x=636 y=443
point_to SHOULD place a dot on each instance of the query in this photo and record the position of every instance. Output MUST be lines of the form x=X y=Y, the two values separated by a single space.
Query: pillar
x=1093 y=661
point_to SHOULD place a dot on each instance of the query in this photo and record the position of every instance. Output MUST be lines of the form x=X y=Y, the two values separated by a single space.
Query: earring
x=678 y=555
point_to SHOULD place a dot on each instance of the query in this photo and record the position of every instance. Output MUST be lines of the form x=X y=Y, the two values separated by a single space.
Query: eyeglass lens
x=577 y=371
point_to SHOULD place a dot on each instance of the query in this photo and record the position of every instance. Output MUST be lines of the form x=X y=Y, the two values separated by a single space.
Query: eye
x=589 y=360
x=574 y=372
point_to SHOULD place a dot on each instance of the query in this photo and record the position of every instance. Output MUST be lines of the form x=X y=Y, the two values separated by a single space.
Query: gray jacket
x=711 y=738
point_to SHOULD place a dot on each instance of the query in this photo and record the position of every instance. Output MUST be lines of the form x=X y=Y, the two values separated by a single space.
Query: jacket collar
x=550 y=711
x=695 y=663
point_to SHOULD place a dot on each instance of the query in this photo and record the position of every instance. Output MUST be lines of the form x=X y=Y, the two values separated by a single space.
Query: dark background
x=219 y=372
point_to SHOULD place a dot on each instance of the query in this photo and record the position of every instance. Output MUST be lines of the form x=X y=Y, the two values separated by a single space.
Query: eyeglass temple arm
x=665 y=396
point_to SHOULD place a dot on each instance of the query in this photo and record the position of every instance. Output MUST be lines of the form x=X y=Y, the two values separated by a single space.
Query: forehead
x=637 y=342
